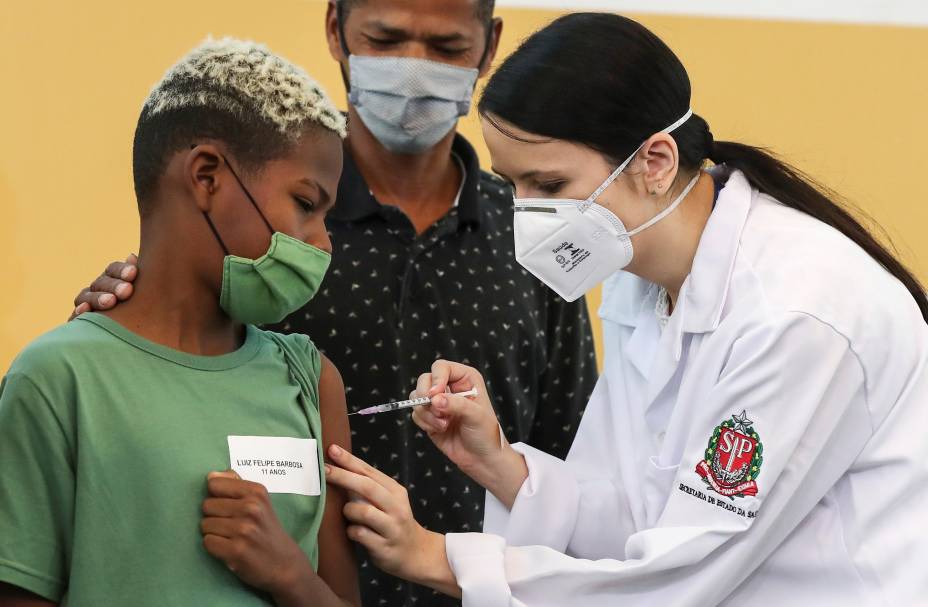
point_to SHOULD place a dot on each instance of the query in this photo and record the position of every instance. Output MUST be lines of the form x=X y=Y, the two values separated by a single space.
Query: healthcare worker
x=758 y=435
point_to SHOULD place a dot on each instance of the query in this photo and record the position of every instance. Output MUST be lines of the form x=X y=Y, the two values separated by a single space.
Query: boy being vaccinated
x=113 y=427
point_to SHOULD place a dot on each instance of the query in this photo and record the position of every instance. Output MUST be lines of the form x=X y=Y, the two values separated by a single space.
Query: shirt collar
x=457 y=197
x=355 y=201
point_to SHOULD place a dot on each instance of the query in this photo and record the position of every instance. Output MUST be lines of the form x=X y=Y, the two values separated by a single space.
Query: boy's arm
x=338 y=572
x=36 y=490
x=336 y=563
x=240 y=527
x=13 y=596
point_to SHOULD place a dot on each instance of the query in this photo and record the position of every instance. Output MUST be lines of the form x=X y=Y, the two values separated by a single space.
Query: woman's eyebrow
x=500 y=173
x=536 y=175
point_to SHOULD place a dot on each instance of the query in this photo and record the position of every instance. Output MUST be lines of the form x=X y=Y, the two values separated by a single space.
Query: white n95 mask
x=409 y=104
x=573 y=245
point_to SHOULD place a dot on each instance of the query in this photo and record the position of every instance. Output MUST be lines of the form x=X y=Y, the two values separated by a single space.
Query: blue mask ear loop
x=340 y=17
x=251 y=199
x=486 y=46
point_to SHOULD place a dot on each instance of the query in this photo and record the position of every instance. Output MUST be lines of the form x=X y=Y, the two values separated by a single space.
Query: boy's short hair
x=236 y=91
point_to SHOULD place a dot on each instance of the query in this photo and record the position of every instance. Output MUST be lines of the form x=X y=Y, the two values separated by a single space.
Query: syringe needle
x=406 y=404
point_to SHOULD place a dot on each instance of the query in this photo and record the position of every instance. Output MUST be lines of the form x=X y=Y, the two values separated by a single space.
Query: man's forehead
x=444 y=16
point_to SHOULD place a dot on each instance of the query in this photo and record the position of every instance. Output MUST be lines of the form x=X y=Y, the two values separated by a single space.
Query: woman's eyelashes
x=551 y=187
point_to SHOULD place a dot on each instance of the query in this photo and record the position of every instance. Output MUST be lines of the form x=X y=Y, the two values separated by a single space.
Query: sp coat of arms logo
x=733 y=458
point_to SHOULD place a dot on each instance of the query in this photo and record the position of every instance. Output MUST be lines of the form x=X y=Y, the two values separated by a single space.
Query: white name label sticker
x=281 y=464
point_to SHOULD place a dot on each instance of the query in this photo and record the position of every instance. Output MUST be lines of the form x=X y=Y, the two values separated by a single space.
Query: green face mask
x=267 y=289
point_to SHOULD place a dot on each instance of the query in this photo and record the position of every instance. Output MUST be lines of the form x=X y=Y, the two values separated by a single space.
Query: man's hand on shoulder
x=111 y=287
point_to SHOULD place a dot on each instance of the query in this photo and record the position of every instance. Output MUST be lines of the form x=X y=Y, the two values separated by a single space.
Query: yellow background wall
x=845 y=102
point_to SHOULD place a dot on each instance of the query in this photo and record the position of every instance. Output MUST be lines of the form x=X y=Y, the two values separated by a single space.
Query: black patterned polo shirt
x=394 y=301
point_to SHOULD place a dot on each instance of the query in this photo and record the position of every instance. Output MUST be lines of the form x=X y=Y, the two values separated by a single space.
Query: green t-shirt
x=105 y=443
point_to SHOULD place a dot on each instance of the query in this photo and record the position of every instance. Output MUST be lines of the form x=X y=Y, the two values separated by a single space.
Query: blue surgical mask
x=409 y=104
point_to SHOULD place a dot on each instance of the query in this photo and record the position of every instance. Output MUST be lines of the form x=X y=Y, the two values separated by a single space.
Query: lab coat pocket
x=658 y=483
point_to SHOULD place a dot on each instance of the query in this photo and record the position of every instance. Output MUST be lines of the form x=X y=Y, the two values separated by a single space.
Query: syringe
x=406 y=404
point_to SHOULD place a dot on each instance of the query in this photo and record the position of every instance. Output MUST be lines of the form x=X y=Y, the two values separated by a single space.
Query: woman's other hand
x=381 y=520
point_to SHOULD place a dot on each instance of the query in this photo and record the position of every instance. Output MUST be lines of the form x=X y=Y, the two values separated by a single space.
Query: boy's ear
x=201 y=172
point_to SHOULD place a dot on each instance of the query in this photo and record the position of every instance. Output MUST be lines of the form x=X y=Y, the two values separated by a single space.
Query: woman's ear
x=661 y=161
x=201 y=170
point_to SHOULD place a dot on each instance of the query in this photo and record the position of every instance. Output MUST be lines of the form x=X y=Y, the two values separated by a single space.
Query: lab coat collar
x=703 y=294
x=624 y=298
x=706 y=288
x=628 y=299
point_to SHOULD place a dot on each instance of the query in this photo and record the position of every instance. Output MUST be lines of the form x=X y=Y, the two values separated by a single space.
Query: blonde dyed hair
x=245 y=78
x=234 y=91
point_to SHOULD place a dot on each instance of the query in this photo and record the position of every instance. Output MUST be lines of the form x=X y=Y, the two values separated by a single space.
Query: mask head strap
x=673 y=205
x=592 y=198
x=212 y=226
x=250 y=197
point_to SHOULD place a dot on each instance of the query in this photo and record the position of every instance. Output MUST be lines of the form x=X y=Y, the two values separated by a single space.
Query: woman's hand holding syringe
x=466 y=430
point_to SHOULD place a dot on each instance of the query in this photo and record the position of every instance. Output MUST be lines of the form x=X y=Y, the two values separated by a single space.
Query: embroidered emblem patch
x=733 y=458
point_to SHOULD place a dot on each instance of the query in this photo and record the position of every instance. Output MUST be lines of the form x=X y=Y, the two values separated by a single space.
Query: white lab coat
x=781 y=318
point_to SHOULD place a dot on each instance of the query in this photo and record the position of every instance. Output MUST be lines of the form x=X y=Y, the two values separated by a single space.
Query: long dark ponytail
x=607 y=82
x=794 y=189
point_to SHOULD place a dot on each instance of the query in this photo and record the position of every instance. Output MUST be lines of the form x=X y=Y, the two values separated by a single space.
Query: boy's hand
x=240 y=528
x=111 y=287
